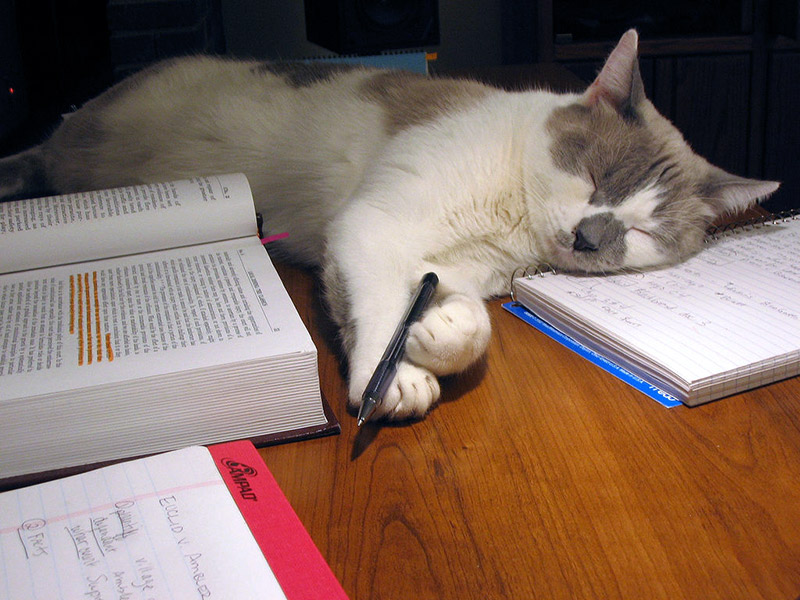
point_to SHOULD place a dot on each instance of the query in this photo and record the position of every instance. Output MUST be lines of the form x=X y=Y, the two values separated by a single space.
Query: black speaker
x=372 y=26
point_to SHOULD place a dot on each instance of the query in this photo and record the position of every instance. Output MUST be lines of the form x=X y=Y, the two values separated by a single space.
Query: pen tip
x=367 y=408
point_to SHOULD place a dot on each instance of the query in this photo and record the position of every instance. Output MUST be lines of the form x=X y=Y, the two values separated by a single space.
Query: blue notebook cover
x=643 y=386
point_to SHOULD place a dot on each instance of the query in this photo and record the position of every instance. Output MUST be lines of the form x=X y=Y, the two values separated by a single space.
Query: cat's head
x=628 y=191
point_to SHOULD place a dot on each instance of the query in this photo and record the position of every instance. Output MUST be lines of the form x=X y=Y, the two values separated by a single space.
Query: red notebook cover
x=295 y=560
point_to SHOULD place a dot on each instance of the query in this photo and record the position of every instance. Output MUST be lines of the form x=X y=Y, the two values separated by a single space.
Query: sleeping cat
x=382 y=176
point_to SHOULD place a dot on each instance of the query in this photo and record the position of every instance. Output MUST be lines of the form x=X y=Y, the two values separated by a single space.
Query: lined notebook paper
x=725 y=321
x=164 y=527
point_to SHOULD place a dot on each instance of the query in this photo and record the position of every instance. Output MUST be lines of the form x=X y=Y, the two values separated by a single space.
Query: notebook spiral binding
x=712 y=234
x=529 y=272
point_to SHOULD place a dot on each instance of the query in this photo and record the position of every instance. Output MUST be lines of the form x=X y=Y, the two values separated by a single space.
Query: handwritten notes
x=724 y=321
x=158 y=528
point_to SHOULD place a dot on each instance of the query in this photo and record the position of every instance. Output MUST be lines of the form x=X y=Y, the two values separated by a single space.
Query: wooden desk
x=541 y=476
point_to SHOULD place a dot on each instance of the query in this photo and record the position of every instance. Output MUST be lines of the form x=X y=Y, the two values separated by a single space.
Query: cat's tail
x=23 y=175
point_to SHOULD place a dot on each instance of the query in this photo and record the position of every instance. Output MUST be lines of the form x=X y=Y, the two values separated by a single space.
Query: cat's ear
x=619 y=82
x=728 y=194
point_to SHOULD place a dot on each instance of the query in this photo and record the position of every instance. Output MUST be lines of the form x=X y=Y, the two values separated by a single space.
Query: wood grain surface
x=541 y=476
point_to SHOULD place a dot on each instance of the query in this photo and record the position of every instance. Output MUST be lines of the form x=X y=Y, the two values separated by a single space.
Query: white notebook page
x=163 y=527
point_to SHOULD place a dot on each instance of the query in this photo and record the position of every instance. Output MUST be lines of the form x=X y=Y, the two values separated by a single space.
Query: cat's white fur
x=378 y=190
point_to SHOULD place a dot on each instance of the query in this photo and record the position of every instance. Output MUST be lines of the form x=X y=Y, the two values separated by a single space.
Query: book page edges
x=329 y=427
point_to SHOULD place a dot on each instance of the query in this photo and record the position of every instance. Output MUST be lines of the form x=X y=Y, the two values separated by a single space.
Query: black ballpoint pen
x=387 y=367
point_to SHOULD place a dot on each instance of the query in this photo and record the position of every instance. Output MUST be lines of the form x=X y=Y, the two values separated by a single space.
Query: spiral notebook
x=725 y=321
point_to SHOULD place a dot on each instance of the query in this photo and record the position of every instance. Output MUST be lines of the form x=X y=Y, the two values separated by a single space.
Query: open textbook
x=725 y=321
x=192 y=523
x=143 y=319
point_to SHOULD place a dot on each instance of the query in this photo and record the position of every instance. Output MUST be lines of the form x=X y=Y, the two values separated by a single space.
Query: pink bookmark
x=272 y=238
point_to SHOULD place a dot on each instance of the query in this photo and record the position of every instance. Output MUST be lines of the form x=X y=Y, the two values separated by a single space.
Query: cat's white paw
x=450 y=336
x=411 y=394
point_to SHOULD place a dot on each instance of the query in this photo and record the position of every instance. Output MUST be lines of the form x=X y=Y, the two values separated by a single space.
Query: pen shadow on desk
x=454 y=388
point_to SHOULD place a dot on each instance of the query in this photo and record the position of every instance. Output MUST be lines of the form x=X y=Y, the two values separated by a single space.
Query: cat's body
x=380 y=177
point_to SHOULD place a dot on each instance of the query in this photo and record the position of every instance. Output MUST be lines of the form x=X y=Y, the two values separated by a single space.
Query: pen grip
x=419 y=302
x=381 y=378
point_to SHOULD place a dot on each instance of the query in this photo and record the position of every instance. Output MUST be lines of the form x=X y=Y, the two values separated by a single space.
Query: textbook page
x=161 y=527
x=88 y=324
x=60 y=230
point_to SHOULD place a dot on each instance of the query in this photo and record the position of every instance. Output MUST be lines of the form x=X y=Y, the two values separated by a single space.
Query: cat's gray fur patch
x=600 y=143
x=413 y=99
x=300 y=74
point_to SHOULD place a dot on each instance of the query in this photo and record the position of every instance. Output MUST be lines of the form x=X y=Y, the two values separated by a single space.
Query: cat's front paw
x=410 y=396
x=450 y=336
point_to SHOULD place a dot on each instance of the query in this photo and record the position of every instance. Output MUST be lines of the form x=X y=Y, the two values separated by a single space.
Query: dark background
x=725 y=71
